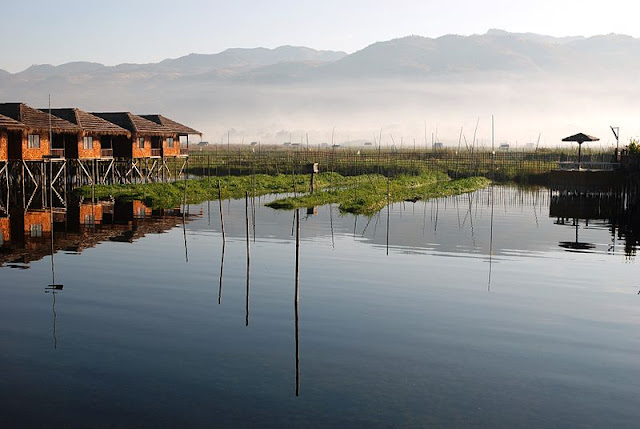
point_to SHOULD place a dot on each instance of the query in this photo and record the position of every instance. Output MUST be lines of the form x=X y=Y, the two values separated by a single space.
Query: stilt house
x=96 y=135
x=180 y=129
x=31 y=143
x=147 y=138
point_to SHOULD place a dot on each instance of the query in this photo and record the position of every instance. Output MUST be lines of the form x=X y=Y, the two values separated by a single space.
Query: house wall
x=141 y=153
x=171 y=151
x=35 y=153
x=94 y=153
x=4 y=142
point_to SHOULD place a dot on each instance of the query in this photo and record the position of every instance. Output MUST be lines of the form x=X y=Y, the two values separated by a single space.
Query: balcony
x=106 y=153
x=156 y=152
x=184 y=151
x=57 y=153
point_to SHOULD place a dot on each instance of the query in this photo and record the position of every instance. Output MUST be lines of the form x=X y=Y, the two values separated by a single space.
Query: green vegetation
x=364 y=194
x=368 y=194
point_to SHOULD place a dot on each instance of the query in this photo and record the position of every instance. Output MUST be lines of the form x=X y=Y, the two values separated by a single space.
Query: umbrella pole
x=579 y=155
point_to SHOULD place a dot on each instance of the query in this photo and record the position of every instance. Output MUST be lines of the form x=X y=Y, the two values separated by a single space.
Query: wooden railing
x=184 y=151
x=156 y=152
x=57 y=153
x=573 y=165
x=106 y=152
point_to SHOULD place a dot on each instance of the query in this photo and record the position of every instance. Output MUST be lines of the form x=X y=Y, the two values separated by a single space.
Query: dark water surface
x=480 y=315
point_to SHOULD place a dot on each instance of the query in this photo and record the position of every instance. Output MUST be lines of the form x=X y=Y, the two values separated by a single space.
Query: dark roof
x=136 y=124
x=88 y=122
x=10 y=124
x=36 y=119
x=173 y=125
x=580 y=138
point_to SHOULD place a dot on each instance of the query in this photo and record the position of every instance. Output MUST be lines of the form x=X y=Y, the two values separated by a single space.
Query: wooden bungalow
x=8 y=128
x=147 y=138
x=170 y=147
x=31 y=143
x=95 y=137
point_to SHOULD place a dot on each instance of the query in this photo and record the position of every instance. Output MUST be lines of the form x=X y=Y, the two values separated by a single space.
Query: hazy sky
x=117 y=31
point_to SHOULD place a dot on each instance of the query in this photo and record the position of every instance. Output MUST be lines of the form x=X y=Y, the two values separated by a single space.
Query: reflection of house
x=37 y=222
x=147 y=139
x=27 y=237
x=95 y=136
x=84 y=215
x=5 y=230
x=140 y=210
x=31 y=143
x=90 y=214
x=172 y=149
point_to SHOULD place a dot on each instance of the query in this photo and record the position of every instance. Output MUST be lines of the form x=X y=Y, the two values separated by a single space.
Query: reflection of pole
x=221 y=269
x=388 y=210
x=53 y=271
x=184 y=233
x=221 y=215
x=490 y=242
x=297 y=301
x=246 y=211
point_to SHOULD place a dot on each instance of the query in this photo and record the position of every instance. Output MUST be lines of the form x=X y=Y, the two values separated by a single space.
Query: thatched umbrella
x=580 y=138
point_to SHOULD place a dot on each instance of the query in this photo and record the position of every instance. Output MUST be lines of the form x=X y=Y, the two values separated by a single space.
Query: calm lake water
x=472 y=314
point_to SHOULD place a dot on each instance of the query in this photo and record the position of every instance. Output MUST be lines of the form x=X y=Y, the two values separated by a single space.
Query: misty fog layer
x=406 y=90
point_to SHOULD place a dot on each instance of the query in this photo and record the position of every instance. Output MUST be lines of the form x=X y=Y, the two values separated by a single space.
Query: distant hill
x=409 y=79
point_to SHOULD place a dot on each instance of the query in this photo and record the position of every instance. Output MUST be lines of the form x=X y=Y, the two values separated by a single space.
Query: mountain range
x=263 y=86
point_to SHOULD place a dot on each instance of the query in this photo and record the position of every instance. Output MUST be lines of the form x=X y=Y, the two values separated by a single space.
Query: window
x=170 y=142
x=141 y=142
x=87 y=142
x=34 y=141
x=89 y=219
x=36 y=230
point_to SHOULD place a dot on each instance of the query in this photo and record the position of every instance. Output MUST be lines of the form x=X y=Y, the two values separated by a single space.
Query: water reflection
x=30 y=235
x=536 y=336
x=616 y=212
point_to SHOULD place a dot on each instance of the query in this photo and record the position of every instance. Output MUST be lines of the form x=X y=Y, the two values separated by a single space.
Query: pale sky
x=139 y=31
